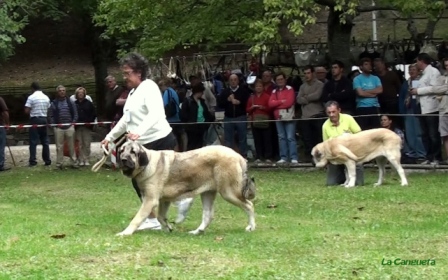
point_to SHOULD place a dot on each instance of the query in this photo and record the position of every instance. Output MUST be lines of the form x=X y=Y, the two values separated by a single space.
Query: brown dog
x=167 y=176
x=351 y=149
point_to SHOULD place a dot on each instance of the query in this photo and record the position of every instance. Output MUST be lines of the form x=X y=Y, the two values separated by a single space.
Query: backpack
x=171 y=107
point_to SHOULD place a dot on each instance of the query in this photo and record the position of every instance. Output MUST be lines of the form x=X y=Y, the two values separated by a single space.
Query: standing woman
x=86 y=114
x=259 y=112
x=195 y=111
x=143 y=117
x=282 y=101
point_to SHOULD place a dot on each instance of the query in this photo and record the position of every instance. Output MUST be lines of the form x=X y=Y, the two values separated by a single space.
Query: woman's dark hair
x=197 y=87
x=280 y=74
x=138 y=63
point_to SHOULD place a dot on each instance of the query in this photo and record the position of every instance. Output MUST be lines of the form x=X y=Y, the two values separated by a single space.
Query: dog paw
x=377 y=184
x=250 y=228
x=196 y=232
x=349 y=186
x=404 y=184
x=124 y=233
x=180 y=219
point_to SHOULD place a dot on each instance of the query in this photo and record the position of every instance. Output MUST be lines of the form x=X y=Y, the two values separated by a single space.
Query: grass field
x=62 y=225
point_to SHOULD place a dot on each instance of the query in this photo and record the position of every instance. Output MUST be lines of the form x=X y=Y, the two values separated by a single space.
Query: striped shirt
x=39 y=103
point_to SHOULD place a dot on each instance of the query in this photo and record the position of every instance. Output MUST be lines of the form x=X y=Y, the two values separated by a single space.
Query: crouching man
x=336 y=125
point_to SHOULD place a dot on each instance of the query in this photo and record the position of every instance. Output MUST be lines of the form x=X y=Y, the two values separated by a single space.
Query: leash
x=12 y=156
x=106 y=153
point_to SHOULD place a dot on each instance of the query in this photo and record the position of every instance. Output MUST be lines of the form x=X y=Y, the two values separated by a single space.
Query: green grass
x=315 y=232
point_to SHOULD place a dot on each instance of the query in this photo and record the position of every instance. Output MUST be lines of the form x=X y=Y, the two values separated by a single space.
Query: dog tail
x=249 y=188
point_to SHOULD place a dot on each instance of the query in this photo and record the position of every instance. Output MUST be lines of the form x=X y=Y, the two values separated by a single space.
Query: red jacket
x=263 y=101
x=275 y=101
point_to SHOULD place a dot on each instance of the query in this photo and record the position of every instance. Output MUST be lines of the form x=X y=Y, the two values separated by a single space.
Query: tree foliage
x=159 y=26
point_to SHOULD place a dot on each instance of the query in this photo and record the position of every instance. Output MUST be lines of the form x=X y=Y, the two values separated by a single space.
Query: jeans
x=39 y=134
x=2 y=146
x=336 y=175
x=241 y=131
x=413 y=134
x=287 y=140
x=431 y=136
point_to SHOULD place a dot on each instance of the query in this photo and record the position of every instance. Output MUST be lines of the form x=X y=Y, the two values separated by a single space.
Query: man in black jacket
x=234 y=99
x=340 y=89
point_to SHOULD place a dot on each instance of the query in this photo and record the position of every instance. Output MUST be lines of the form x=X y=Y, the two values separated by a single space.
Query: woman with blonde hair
x=86 y=114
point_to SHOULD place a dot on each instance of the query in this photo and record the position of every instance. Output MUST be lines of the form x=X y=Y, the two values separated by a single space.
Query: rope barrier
x=20 y=126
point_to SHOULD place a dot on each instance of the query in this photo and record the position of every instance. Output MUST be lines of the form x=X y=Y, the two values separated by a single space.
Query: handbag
x=260 y=121
x=286 y=114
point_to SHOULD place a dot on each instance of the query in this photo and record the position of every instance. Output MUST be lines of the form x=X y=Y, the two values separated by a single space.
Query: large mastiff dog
x=167 y=176
x=351 y=149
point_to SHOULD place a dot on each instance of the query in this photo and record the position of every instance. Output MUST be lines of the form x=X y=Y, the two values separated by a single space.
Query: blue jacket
x=413 y=108
x=169 y=92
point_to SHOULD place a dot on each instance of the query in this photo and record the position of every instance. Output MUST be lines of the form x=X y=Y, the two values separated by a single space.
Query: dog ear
x=142 y=158
x=252 y=179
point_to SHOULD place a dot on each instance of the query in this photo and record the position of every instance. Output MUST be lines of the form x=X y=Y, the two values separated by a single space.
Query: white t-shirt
x=39 y=103
x=143 y=114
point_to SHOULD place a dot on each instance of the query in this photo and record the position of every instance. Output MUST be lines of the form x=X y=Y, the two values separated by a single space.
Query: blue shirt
x=169 y=92
x=366 y=83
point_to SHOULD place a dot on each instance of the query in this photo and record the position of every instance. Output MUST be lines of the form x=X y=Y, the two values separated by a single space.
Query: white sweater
x=143 y=114
x=427 y=101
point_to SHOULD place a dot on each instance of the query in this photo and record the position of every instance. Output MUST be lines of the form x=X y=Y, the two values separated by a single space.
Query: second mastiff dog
x=350 y=149
x=167 y=176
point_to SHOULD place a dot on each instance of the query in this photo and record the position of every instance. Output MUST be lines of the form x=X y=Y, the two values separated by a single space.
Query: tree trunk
x=339 y=38
x=100 y=53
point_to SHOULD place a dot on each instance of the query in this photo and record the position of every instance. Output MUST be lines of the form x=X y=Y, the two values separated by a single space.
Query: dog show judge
x=143 y=117
x=336 y=125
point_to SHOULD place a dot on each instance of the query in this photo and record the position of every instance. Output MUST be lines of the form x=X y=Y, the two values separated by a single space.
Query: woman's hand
x=105 y=143
x=133 y=136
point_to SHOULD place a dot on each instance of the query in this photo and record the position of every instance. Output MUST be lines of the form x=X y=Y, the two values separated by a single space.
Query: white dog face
x=132 y=157
x=319 y=158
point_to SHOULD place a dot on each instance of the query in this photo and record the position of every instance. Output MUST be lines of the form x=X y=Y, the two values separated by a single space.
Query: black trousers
x=369 y=122
x=311 y=134
x=195 y=135
x=431 y=136
x=167 y=143
x=263 y=142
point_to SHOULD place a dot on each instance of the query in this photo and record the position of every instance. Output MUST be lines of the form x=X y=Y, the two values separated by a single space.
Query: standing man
x=4 y=120
x=429 y=120
x=391 y=87
x=37 y=106
x=115 y=99
x=63 y=111
x=340 y=89
x=367 y=87
x=309 y=99
x=234 y=100
x=336 y=125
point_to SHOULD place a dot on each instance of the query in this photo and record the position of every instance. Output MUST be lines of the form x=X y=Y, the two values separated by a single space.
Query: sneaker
x=183 y=205
x=4 y=168
x=425 y=162
x=294 y=161
x=257 y=161
x=82 y=163
x=152 y=224
x=282 y=161
x=268 y=161
x=86 y=163
x=435 y=162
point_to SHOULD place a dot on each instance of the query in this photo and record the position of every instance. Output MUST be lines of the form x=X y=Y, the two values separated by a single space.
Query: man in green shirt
x=337 y=125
